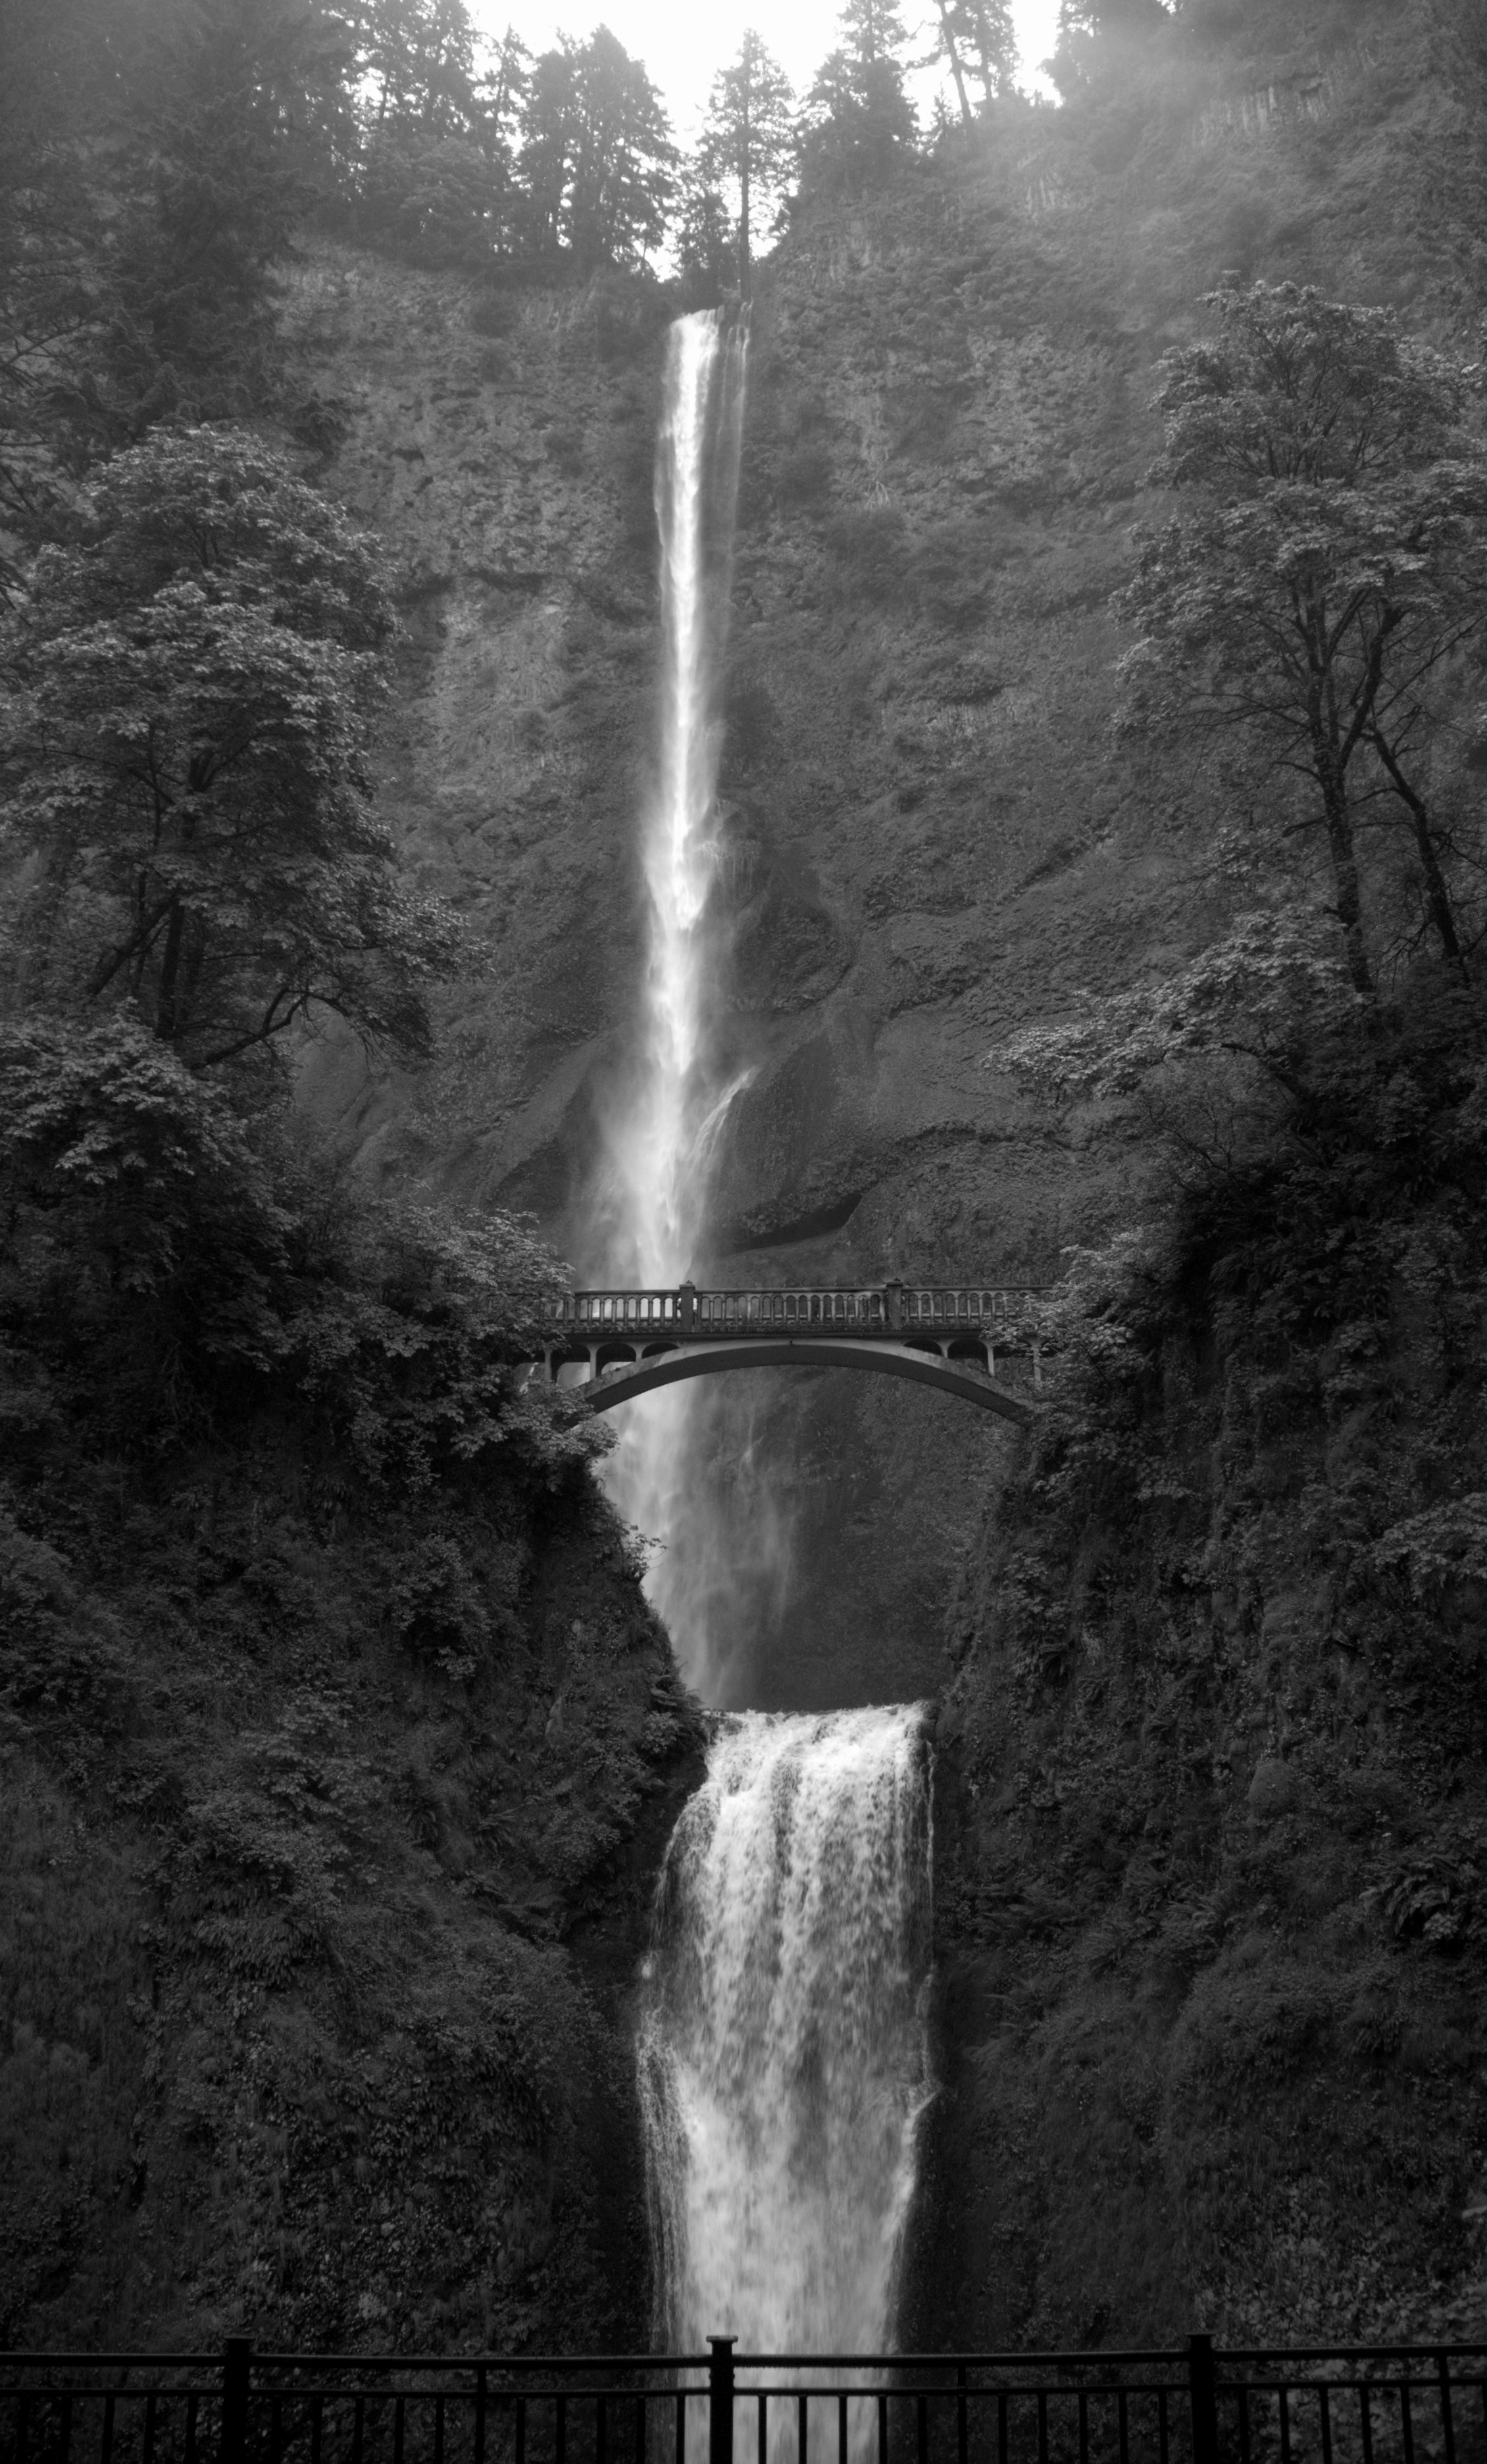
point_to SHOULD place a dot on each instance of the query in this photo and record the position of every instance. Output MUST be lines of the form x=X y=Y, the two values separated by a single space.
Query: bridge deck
x=947 y=1336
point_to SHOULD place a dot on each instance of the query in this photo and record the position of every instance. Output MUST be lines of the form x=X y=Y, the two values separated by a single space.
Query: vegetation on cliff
x=336 y=1745
x=1216 y=1746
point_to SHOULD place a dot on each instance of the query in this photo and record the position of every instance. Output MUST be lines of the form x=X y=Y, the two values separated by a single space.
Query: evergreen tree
x=859 y=121
x=418 y=56
x=597 y=161
x=975 y=39
x=230 y=116
x=1095 y=36
x=748 y=139
x=705 y=234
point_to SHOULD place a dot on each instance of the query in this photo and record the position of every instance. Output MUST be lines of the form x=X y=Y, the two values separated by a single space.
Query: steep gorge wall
x=931 y=838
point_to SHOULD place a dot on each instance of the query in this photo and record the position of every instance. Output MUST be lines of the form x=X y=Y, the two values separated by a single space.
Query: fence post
x=686 y=1300
x=1203 y=2384
x=720 y=2400
x=236 y=2364
x=1448 y=2429
x=892 y=1296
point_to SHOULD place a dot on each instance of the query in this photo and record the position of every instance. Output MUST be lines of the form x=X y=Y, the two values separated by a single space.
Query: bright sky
x=683 y=45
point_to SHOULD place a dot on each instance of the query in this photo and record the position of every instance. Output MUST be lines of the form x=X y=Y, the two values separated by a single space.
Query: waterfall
x=783 y=2053
x=661 y=1143
x=784 y=2061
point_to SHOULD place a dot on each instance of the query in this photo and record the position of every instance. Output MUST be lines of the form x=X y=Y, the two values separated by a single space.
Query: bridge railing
x=1195 y=2404
x=872 y=1308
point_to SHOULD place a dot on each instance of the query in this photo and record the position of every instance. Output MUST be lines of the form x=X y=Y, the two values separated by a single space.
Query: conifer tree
x=598 y=159
x=975 y=39
x=1094 y=35
x=748 y=139
x=229 y=117
x=859 y=120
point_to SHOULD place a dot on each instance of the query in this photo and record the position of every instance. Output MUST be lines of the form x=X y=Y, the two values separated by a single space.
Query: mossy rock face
x=326 y=1858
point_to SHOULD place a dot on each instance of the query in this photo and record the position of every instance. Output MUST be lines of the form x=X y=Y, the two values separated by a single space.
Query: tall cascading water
x=782 y=2048
x=783 y=2056
x=661 y=1142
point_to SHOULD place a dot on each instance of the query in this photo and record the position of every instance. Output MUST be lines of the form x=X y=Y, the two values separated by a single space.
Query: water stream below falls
x=782 y=2052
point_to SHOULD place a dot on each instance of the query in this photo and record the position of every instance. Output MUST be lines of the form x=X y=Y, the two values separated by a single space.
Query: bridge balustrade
x=685 y=1310
x=627 y=1308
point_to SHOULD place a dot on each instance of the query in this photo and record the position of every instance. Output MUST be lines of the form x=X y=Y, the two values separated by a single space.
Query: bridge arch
x=627 y=1378
x=610 y=1355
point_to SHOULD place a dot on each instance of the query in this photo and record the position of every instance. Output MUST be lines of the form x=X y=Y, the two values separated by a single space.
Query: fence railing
x=871 y=1309
x=1400 y=2404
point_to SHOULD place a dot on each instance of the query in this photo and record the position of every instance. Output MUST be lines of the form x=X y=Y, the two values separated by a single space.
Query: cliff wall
x=930 y=837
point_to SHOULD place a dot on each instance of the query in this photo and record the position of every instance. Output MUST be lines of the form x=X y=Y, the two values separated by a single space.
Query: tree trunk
x=1437 y=897
x=954 y=58
x=170 y=970
x=1345 y=865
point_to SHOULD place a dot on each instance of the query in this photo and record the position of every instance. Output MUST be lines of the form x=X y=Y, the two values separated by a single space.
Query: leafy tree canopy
x=1324 y=580
x=157 y=1261
x=192 y=691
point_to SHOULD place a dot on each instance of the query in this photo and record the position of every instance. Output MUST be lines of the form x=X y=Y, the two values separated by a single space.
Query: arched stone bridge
x=949 y=1336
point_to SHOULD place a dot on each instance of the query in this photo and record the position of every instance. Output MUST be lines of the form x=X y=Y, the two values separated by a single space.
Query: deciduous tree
x=1326 y=573
x=187 y=757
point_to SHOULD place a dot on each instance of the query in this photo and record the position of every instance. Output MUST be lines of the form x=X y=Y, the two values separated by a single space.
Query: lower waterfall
x=783 y=2058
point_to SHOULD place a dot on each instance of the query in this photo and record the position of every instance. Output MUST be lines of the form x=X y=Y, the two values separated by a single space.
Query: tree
x=1095 y=35
x=1327 y=576
x=859 y=120
x=706 y=235
x=976 y=38
x=231 y=114
x=749 y=138
x=596 y=157
x=186 y=761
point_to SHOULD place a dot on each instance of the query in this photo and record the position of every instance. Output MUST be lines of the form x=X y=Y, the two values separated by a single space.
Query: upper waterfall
x=661 y=1142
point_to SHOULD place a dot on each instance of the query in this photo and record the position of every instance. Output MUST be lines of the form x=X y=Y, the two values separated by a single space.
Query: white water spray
x=782 y=2052
x=661 y=1147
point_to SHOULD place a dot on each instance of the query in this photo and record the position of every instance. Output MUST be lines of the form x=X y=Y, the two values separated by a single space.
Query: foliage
x=749 y=141
x=859 y=122
x=975 y=39
x=598 y=159
x=158 y=1266
x=1326 y=585
x=232 y=115
x=1265 y=992
x=1100 y=41
x=436 y=1606
x=189 y=729
x=706 y=239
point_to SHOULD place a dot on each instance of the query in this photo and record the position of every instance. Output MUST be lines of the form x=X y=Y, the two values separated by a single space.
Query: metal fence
x=1394 y=2404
